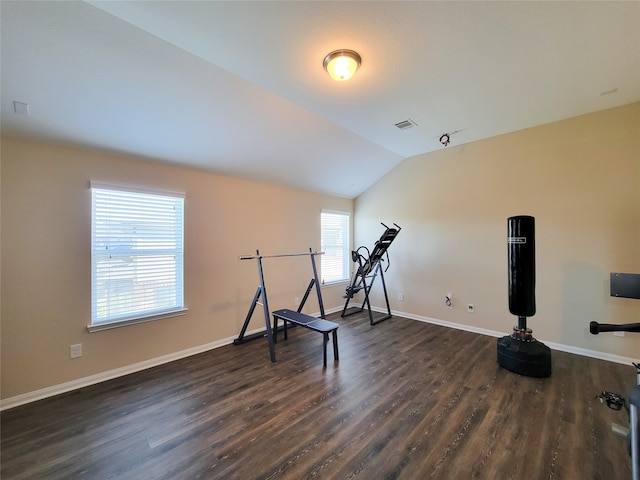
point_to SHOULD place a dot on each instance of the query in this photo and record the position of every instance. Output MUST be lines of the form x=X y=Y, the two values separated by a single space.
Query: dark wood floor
x=407 y=400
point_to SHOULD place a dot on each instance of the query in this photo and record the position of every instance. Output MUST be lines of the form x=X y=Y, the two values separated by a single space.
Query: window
x=334 y=228
x=137 y=256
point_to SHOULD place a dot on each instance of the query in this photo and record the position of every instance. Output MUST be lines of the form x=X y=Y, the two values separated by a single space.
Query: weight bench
x=317 y=324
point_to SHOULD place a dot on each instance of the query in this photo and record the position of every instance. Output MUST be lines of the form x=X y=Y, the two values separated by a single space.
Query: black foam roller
x=522 y=265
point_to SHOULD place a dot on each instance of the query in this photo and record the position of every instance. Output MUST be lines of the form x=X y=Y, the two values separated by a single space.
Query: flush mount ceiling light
x=342 y=64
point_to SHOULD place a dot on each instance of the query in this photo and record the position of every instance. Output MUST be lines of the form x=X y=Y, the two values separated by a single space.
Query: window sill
x=336 y=283
x=135 y=320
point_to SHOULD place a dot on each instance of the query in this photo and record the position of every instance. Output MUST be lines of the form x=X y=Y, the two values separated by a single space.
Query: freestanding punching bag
x=521 y=244
x=520 y=352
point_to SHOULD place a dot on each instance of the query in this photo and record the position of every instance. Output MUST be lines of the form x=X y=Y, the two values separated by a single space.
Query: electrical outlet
x=401 y=296
x=296 y=301
x=75 y=351
x=618 y=334
x=470 y=308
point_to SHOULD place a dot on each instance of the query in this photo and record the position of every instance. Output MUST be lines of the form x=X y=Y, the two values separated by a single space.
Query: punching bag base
x=532 y=358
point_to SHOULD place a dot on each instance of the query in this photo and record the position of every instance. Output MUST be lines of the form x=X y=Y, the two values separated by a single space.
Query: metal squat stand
x=262 y=292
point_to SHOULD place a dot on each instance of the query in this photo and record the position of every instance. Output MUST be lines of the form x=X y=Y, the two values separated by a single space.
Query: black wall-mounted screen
x=625 y=285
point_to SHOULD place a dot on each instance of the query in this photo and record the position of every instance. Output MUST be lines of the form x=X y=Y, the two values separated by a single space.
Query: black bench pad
x=317 y=324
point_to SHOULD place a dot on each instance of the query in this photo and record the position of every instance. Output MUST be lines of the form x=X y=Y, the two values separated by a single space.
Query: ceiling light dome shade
x=341 y=64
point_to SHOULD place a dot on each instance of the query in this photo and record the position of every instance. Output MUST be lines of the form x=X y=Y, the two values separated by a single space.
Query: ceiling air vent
x=408 y=123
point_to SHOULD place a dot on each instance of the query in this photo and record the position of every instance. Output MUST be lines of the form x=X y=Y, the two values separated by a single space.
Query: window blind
x=137 y=258
x=335 y=244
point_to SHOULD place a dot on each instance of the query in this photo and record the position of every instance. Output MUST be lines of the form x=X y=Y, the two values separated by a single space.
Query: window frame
x=173 y=236
x=345 y=247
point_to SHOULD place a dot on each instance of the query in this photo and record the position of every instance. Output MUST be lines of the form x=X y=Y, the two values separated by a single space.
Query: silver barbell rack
x=262 y=292
x=257 y=255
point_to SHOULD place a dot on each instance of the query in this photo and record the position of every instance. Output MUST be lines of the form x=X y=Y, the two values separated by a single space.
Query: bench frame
x=312 y=323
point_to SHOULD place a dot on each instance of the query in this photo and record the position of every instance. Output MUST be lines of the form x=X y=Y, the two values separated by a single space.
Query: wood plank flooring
x=407 y=400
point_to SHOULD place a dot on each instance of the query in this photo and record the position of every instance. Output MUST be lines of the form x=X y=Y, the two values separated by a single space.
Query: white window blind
x=137 y=258
x=335 y=243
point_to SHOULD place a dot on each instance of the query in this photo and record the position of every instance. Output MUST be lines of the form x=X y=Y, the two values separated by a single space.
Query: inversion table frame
x=368 y=269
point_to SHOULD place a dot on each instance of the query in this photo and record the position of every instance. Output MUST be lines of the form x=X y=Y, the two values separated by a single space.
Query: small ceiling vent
x=408 y=123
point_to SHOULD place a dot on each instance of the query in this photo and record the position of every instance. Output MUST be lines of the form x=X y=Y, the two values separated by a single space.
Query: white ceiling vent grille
x=408 y=123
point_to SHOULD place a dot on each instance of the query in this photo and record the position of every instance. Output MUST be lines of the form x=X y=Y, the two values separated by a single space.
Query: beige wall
x=46 y=274
x=579 y=178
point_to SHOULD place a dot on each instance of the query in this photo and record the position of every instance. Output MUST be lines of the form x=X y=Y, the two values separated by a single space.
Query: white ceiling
x=237 y=88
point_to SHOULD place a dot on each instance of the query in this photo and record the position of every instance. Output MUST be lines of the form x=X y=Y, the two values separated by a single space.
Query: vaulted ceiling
x=237 y=88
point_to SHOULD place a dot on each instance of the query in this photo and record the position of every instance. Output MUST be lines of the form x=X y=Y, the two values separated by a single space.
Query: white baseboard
x=29 y=397
x=43 y=393
x=492 y=333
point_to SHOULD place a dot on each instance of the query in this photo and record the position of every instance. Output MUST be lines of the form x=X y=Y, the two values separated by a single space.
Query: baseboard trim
x=492 y=333
x=54 y=390
x=43 y=393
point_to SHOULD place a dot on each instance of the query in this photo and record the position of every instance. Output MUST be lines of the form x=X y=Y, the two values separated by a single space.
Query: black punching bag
x=520 y=352
x=522 y=265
